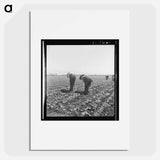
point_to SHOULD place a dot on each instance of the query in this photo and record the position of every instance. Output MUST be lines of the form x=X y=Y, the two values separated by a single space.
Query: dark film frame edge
x=81 y=42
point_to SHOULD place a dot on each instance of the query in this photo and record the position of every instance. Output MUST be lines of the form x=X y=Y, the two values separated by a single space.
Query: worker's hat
x=82 y=76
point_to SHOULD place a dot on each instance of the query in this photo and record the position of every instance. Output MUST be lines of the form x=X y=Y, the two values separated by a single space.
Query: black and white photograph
x=79 y=79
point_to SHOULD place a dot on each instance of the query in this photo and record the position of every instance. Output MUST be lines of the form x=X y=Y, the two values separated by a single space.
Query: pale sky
x=80 y=59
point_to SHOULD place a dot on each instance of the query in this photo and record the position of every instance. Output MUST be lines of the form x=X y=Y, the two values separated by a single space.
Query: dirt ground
x=99 y=101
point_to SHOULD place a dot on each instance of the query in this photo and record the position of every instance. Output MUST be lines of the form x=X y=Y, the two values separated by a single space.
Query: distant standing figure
x=107 y=77
x=87 y=81
x=111 y=77
x=72 y=79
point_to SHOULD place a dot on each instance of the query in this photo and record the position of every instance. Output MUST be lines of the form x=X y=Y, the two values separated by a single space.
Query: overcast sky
x=80 y=59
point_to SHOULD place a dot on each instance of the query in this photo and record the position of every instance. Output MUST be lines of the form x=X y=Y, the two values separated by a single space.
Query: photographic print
x=79 y=79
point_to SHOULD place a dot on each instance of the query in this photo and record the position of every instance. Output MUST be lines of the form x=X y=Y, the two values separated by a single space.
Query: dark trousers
x=72 y=82
x=87 y=85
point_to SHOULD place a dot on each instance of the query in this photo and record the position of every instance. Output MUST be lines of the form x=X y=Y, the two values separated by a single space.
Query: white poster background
x=79 y=135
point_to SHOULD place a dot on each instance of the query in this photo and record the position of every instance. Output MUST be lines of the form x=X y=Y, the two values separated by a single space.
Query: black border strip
x=42 y=109
x=81 y=42
x=116 y=80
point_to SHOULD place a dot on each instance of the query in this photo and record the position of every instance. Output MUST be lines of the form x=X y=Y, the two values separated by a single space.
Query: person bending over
x=87 y=82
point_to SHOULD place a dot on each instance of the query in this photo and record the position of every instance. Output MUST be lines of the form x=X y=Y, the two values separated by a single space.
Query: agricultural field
x=99 y=101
